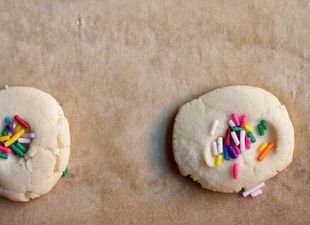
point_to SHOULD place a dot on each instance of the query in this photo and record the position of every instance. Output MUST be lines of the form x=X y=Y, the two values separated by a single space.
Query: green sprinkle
x=250 y=135
x=65 y=172
x=3 y=155
x=236 y=128
x=264 y=124
x=21 y=147
x=16 y=150
x=261 y=130
x=5 y=131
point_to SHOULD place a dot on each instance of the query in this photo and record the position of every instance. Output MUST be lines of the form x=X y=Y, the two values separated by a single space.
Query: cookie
x=40 y=152
x=233 y=138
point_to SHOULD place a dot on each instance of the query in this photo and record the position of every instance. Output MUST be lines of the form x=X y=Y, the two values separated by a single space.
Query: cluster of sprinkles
x=14 y=138
x=238 y=138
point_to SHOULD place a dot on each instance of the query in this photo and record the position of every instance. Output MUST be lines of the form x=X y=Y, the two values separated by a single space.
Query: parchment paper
x=121 y=69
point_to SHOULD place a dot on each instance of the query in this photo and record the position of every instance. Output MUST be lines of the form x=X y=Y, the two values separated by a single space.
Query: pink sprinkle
x=235 y=119
x=5 y=149
x=235 y=171
x=256 y=193
x=243 y=120
x=247 y=142
x=236 y=148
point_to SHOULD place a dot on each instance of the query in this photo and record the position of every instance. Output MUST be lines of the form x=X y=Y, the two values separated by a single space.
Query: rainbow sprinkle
x=14 y=138
x=238 y=138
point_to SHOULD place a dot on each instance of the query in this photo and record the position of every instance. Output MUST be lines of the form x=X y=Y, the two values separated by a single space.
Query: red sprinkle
x=227 y=137
x=21 y=121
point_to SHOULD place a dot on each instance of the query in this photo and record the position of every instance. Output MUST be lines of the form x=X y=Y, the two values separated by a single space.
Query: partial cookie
x=31 y=172
x=194 y=142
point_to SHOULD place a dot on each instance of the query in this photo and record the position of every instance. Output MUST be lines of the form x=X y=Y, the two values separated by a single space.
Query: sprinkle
x=236 y=148
x=256 y=193
x=4 y=138
x=18 y=127
x=17 y=150
x=3 y=155
x=242 y=140
x=235 y=119
x=14 y=138
x=262 y=147
x=11 y=128
x=29 y=135
x=9 y=122
x=21 y=121
x=5 y=131
x=237 y=129
x=6 y=86
x=267 y=149
x=24 y=140
x=21 y=147
x=264 y=124
x=243 y=120
x=235 y=171
x=250 y=135
x=247 y=128
x=246 y=193
x=214 y=148
x=213 y=127
x=218 y=160
x=227 y=137
x=225 y=153
x=247 y=142
x=65 y=172
x=5 y=149
x=261 y=130
x=234 y=137
x=220 y=145
x=232 y=152
x=231 y=123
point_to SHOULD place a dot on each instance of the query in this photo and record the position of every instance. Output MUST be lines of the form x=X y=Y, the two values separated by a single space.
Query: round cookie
x=35 y=174
x=192 y=142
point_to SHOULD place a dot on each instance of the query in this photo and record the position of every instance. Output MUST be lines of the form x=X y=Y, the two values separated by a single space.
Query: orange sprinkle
x=263 y=153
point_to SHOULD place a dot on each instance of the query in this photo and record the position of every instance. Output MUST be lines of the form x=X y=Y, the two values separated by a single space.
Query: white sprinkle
x=242 y=140
x=220 y=145
x=29 y=135
x=235 y=137
x=246 y=193
x=6 y=86
x=213 y=127
x=256 y=193
x=231 y=123
x=24 y=140
x=214 y=148
x=14 y=125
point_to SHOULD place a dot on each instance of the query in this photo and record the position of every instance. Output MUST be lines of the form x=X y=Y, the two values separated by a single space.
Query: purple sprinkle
x=11 y=128
x=232 y=152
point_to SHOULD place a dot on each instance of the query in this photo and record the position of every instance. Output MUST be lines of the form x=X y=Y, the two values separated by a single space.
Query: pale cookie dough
x=191 y=137
x=22 y=179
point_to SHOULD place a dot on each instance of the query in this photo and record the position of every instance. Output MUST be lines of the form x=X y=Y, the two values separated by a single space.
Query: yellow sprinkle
x=18 y=127
x=247 y=128
x=218 y=160
x=4 y=138
x=14 y=138
x=262 y=147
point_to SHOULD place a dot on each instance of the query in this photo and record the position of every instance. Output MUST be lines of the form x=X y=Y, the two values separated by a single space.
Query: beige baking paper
x=121 y=70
